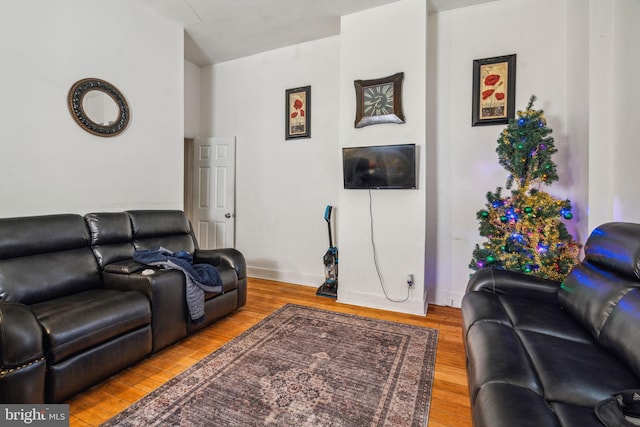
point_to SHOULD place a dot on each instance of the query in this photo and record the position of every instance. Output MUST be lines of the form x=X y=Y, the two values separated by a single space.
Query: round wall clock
x=379 y=101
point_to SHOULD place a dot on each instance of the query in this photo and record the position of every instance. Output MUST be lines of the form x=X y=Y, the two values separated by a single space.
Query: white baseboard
x=446 y=298
x=285 y=276
x=410 y=306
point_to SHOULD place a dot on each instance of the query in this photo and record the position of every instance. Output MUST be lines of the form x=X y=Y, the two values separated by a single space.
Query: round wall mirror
x=98 y=107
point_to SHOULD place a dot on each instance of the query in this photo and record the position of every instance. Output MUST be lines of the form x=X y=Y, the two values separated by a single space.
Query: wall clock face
x=379 y=100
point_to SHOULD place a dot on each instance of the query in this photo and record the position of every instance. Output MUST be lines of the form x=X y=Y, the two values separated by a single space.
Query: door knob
x=227 y=215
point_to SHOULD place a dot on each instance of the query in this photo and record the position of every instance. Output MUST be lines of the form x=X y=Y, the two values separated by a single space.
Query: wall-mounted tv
x=380 y=167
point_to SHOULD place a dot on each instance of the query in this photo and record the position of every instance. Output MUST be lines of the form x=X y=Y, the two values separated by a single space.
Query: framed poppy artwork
x=494 y=90
x=298 y=118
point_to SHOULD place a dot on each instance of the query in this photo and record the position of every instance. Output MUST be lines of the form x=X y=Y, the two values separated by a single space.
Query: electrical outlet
x=410 y=281
x=448 y=302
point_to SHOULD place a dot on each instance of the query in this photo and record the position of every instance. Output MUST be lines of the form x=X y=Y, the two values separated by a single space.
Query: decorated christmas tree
x=525 y=231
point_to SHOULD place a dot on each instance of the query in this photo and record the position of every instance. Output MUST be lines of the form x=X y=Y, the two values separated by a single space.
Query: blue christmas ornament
x=566 y=213
x=517 y=237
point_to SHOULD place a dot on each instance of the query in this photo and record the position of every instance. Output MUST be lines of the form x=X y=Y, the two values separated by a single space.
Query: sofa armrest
x=508 y=282
x=127 y=266
x=166 y=292
x=227 y=256
x=23 y=366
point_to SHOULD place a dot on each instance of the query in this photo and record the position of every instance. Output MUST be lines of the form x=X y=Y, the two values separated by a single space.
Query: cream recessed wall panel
x=282 y=186
x=377 y=43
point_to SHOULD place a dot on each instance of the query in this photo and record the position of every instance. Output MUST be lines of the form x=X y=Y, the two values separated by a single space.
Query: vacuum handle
x=327 y=217
x=327 y=213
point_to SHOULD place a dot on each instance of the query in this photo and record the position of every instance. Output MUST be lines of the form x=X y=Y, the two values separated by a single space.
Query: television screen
x=379 y=167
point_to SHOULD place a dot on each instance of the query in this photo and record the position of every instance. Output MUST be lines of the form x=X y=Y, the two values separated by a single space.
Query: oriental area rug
x=302 y=366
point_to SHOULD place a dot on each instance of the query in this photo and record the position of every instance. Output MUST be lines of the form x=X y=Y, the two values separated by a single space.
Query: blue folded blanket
x=199 y=278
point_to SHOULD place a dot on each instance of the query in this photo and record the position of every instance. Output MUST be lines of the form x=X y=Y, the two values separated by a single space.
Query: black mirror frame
x=74 y=101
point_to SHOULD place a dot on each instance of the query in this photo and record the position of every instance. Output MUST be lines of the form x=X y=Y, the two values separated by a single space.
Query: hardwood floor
x=450 y=397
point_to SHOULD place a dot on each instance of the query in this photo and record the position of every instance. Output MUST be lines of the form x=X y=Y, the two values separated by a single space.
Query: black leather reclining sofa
x=75 y=308
x=543 y=353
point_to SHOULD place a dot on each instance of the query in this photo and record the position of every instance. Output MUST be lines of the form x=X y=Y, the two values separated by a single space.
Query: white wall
x=467 y=162
x=48 y=163
x=614 y=92
x=376 y=43
x=192 y=99
x=580 y=59
x=282 y=186
x=626 y=109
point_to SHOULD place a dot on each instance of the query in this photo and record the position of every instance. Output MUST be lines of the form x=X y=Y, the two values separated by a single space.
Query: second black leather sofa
x=71 y=298
x=544 y=353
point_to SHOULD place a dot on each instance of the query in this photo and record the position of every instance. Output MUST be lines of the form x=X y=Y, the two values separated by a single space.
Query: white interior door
x=213 y=198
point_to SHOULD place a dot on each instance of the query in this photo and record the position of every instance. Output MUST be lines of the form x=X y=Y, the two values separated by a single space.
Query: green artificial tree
x=525 y=230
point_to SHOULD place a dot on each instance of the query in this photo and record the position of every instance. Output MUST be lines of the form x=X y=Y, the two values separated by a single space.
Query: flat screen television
x=380 y=167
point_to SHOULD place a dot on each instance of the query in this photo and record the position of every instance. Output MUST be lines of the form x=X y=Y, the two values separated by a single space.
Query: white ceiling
x=221 y=30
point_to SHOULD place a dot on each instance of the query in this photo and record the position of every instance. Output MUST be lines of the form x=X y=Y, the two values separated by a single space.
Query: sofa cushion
x=45 y=257
x=77 y=322
x=108 y=227
x=494 y=354
x=483 y=306
x=42 y=234
x=497 y=325
x=621 y=333
x=530 y=315
x=509 y=405
x=43 y=277
x=615 y=246
x=591 y=292
x=229 y=281
x=521 y=313
x=167 y=228
x=575 y=372
x=574 y=415
x=111 y=236
x=609 y=271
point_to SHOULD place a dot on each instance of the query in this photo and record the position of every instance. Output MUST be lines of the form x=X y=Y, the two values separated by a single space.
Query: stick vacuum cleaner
x=330 y=259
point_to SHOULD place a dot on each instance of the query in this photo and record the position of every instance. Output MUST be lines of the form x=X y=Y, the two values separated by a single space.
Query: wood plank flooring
x=450 y=397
